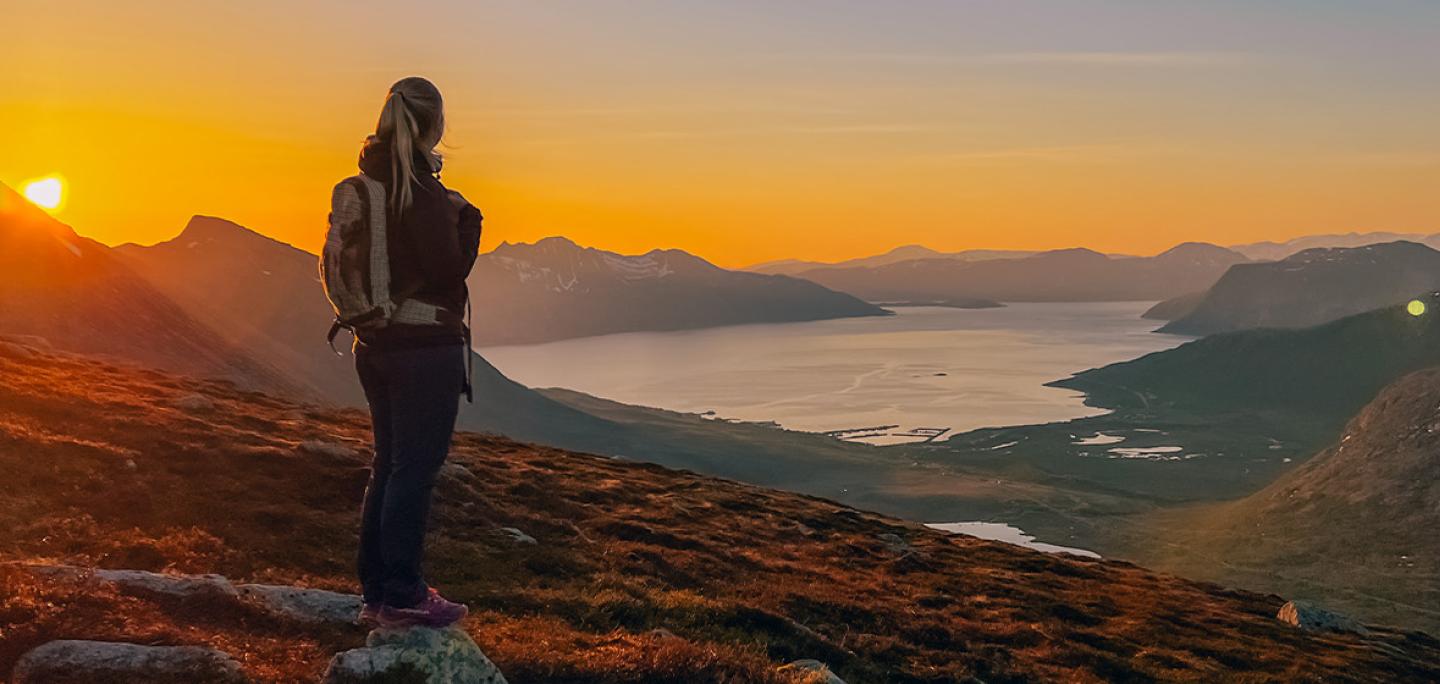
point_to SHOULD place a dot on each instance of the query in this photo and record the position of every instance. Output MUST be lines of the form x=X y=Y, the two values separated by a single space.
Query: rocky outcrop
x=309 y=606
x=194 y=402
x=814 y=671
x=90 y=662
x=1312 y=618
x=417 y=654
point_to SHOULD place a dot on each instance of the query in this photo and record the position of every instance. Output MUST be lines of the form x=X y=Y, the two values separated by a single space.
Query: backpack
x=355 y=264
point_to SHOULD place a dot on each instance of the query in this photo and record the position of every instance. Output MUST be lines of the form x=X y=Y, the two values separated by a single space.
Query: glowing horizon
x=746 y=132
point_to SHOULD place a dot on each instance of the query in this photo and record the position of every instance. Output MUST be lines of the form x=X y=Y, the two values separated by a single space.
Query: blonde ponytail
x=412 y=120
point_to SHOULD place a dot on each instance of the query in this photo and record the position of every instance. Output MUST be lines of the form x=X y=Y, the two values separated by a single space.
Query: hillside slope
x=555 y=289
x=76 y=294
x=1313 y=287
x=738 y=578
x=1354 y=526
x=1326 y=373
x=1067 y=275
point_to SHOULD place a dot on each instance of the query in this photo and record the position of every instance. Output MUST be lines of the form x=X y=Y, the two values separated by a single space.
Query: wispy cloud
x=1092 y=153
x=1114 y=58
x=1123 y=59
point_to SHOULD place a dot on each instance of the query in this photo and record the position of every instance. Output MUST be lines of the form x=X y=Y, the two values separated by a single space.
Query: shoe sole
x=407 y=620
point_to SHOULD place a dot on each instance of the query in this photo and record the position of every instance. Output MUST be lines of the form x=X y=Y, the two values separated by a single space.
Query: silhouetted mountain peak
x=1201 y=252
x=1072 y=253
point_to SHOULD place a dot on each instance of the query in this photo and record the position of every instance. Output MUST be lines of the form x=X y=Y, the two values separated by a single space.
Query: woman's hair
x=412 y=120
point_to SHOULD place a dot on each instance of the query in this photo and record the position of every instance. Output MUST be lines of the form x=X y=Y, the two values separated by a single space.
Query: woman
x=413 y=369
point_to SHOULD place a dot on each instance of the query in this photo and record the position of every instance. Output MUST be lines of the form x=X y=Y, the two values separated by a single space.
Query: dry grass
x=736 y=579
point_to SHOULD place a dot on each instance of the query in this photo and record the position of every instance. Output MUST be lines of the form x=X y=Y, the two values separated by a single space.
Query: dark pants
x=414 y=396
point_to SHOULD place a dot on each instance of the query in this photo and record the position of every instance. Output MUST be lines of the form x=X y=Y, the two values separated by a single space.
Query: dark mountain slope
x=555 y=289
x=1313 y=287
x=74 y=292
x=739 y=579
x=1057 y=276
x=1324 y=373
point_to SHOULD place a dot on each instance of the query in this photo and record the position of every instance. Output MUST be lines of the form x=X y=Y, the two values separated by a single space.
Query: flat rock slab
x=415 y=654
x=91 y=662
x=313 y=606
x=309 y=606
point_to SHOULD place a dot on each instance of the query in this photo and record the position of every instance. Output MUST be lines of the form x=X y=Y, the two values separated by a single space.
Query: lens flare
x=1415 y=307
x=45 y=192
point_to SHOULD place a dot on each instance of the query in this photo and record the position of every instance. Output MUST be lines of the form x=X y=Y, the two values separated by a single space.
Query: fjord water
x=925 y=367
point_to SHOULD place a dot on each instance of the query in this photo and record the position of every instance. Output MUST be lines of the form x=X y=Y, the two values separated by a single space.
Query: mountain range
x=234 y=305
x=903 y=253
x=77 y=294
x=1056 y=276
x=555 y=289
x=1309 y=288
x=1275 y=251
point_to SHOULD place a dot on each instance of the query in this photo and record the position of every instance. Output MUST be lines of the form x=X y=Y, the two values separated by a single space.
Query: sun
x=46 y=192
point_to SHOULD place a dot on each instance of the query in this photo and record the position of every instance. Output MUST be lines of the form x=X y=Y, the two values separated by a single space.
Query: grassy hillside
x=1355 y=526
x=105 y=469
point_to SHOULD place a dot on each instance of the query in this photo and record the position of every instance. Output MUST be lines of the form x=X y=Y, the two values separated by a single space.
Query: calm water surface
x=927 y=367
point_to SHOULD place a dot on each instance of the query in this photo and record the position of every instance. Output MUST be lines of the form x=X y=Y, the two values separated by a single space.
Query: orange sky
x=743 y=131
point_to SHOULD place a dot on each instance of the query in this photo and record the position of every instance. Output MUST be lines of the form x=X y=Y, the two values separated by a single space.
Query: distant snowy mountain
x=1274 y=251
x=555 y=289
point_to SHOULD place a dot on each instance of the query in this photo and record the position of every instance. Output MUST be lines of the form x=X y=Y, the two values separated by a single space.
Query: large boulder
x=88 y=662
x=414 y=655
x=1312 y=618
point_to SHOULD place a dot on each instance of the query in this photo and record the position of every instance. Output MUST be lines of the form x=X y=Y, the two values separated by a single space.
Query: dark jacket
x=432 y=248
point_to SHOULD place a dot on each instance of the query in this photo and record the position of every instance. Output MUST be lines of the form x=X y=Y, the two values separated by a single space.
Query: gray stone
x=194 y=402
x=184 y=587
x=893 y=542
x=418 y=654
x=1312 y=618
x=323 y=448
x=455 y=471
x=87 y=662
x=517 y=536
x=818 y=672
x=312 y=606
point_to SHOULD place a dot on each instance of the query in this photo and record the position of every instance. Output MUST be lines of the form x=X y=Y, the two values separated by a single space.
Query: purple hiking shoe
x=369 y=615
x=432 y=611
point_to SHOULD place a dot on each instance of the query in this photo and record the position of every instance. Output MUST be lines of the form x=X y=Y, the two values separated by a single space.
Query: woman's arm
x=469 y=228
